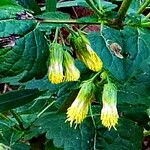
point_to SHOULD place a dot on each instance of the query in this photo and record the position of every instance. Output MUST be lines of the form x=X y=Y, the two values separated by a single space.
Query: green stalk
x=18 y=119
x=56 y=35
x=71 y=21
x=39 y=115
x=143 y=6
x=146 y=24
x=91 y=4
x=95 y=76
x=123 y=10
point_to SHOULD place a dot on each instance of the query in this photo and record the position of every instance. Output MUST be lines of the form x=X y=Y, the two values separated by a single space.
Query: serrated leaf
x=122 y=138
x=63 y=136
x=134 y=42
x=28 y=56
x=15 y=99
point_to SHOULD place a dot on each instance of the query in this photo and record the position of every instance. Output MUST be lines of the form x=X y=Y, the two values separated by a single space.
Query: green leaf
x=51 y=5
x=43 y=84
x=15 y=99
x=134 y=42
x=10 y=137
x=30 y=4
x=72 y=3
x=7 y=2
x=28 y=56
x=9 y=11
x=122 y=138
x=63 y=136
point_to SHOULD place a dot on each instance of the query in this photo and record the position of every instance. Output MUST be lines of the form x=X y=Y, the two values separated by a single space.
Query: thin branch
x=71 y=21
x=123 y=10
x=18 y=119
x=143 y=7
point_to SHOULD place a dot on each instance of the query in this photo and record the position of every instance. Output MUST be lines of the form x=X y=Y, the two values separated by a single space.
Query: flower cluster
x=78 y=111
x=61 y=66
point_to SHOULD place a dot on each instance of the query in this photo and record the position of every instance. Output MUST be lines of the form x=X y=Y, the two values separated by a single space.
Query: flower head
x=109 y=113
x=85 y=53
x=78 y=111
x=71 y=71
x=55 y=72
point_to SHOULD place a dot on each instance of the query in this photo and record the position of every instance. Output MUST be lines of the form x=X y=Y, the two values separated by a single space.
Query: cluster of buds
x=61 y=66
x=78 y=111
x=85 y=53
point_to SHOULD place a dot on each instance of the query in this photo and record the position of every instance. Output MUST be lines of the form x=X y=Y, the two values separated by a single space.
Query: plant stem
x=143 y=6
x=56 y=35
x=18 y=119
x=123 y=10
x=71 y=21
x=146 y=24
x=95 y=76
x=91 y=4
x=45 y=109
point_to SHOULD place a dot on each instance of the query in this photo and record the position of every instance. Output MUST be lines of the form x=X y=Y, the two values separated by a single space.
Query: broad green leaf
x=7 y=2
x=128 y=136
x=63 y=136
x=10 y=11
x=28 y=56
x=18 y=27
x=10 y=136
x=30 y=4
x=134 y=42
x=18 y=98
x=51 y=5
x=42 y=84
x=111 y=62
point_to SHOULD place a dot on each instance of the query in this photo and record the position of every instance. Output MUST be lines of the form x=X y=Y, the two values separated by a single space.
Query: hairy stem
x=143 y=6
x=123 y=10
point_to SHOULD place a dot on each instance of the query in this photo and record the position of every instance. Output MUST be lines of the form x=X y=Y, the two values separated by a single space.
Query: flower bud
x=109 y=113
x=85 y=53
x=71 y=71
x=78 y=111
x=55 y=72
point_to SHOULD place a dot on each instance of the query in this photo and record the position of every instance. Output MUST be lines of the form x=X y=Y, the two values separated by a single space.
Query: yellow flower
x=85 y=53
x=55 y=72
x=109 y=113
x=71 y=71
x=78 y=111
